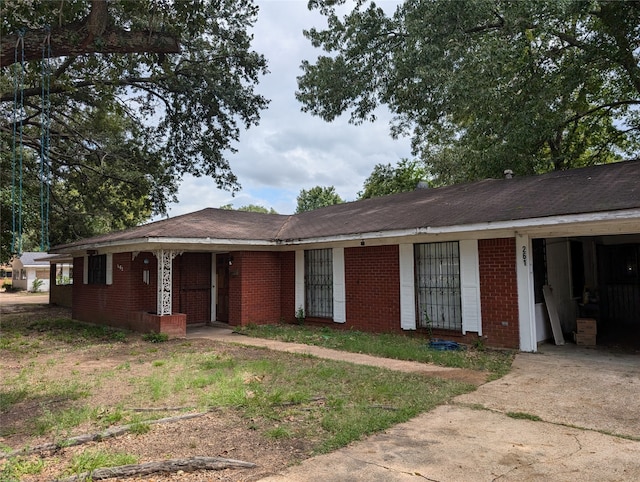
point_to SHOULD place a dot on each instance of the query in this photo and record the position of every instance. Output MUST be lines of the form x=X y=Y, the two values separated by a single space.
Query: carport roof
x=595 y=189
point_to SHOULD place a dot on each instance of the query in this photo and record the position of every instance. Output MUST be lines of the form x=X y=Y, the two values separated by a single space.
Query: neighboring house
x=60 y=278
x=459 y=262
x=27 y=268
x=6 y=274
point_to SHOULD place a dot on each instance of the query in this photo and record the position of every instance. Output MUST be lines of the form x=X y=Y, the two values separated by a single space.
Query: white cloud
x=291 y=150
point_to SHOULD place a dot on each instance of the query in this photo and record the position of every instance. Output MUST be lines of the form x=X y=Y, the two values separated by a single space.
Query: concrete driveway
x=588 y=401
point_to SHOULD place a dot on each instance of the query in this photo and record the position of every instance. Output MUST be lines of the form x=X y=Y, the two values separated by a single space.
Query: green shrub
x=155 y=337
x=36 y=285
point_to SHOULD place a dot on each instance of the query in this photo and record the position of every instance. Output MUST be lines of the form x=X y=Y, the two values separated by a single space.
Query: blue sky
x=291 y=150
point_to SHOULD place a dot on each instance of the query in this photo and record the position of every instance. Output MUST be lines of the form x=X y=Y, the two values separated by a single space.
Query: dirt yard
x=220 y=433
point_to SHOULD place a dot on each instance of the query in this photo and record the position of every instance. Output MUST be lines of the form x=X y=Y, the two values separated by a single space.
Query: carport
x=592 y=276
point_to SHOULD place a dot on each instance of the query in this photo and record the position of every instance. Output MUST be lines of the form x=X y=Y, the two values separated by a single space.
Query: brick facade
x=372 y=287
x=256 y=288
x=261 y=290
x=499 y=292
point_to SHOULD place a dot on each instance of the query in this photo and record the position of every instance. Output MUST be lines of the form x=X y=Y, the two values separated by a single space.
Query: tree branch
x=59 y=89
x=68 y=41
x=600 y=107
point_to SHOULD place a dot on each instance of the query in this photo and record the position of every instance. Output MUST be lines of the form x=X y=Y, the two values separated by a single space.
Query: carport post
x=526 y=308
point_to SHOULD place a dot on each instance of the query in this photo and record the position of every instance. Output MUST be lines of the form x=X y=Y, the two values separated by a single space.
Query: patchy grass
x=68 y=378
x=25 y=335
x=400 y=347
x=17 y=467
x=89 y=460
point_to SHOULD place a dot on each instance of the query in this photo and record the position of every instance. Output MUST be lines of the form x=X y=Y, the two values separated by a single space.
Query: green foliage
x=317 y=197
x=14 y=468
x=251 y=208
x=89 y=460
x=485 y=85
x=140 y=428
x=386 y=179
x=523 y=416
x=36 y=285
x=300 y=316
x=127 y=126
x=155 y=337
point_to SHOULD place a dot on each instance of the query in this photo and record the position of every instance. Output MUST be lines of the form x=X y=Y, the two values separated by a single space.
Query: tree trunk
x=64 y=43
x=173 y=465
x=94 y=35
x=91 y=437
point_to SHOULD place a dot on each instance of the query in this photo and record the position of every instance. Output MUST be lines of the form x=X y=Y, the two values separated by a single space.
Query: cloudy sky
x=291 y=150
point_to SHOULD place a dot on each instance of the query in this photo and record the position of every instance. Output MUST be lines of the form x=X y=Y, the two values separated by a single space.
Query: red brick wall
x=372 y=286
x=255 y=288
x=499 y=292
x=144 y=294
x=107 y=304
x=117 y=304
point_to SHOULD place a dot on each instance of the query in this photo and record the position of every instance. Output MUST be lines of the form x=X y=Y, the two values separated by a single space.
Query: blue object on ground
x=444 y=345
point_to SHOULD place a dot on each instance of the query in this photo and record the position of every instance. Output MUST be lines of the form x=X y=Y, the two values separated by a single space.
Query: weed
x=16 y=467
x=300 y=315
x=36 y=285
x=523 y=416
x=155 y=337
x=10 y=397
x=278 y=432
x=62 y=420
x=90 y=460
x=124 y=366
x=158 y=363
x=139 y=428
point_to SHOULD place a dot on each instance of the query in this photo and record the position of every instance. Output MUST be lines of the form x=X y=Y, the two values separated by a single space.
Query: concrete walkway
x=225 y=334
x=580 y=395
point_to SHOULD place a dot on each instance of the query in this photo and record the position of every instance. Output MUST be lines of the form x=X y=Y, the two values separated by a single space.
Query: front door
x=222 y=284
x=194 y=273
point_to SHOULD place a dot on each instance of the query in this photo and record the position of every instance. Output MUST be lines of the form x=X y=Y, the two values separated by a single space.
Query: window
x=318 y=282
x=438 y=285
x=97 y=269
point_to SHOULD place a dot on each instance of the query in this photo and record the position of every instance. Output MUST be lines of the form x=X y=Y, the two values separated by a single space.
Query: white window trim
x=339 y=291
x=299 y=281
x=109 y=268
x=470 y=287
x=407 y=287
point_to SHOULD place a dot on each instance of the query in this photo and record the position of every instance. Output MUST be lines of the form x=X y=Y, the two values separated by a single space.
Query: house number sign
x=524 y=255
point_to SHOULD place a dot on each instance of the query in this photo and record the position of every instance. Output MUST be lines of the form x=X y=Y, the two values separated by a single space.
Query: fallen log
x=165 y=466
x=159 y=409
x=92 y=437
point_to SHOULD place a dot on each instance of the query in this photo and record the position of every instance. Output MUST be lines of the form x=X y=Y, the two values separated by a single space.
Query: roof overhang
x=587 y=224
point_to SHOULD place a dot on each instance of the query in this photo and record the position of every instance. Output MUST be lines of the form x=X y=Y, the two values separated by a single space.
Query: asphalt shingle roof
x=610 y=187
x=32 y=258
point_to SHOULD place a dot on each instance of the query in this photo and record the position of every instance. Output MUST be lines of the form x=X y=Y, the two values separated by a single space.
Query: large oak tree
x=485 y=85
x=142 y=92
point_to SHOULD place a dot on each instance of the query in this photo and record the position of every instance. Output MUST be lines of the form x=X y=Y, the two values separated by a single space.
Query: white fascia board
x=169 y=243
x=519 y=225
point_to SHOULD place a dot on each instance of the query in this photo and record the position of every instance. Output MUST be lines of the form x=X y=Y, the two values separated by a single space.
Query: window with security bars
x=438 y=285
x=318 y=281
x=97 y=270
